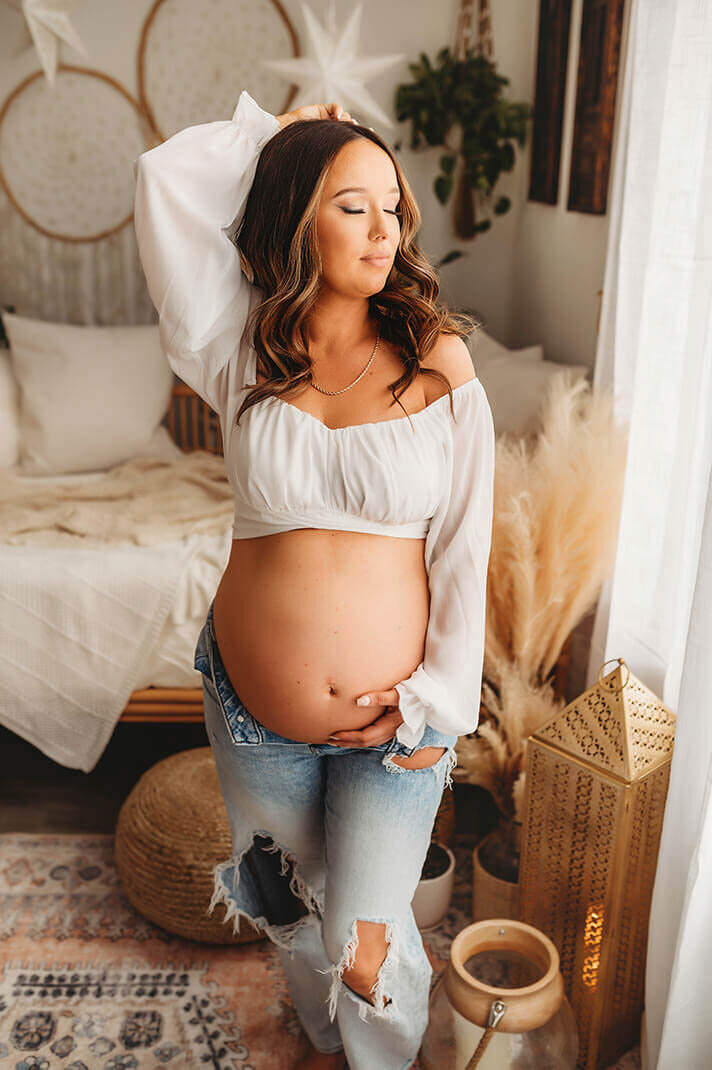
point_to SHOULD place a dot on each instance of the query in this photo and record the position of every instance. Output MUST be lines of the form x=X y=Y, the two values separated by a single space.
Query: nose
x=380 y=227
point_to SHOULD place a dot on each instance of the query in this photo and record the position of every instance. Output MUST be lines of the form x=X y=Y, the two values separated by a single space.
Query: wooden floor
x=39 y=795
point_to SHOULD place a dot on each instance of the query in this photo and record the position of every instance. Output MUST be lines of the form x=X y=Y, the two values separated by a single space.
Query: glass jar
x=504 y=974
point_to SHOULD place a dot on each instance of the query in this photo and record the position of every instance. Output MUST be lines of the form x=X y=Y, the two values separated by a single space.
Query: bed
x=107 y=571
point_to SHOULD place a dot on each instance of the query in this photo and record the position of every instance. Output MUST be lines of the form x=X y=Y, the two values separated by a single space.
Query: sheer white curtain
x=655 y=355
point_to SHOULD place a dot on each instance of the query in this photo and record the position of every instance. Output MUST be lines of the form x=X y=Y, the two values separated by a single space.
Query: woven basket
x=171 y=831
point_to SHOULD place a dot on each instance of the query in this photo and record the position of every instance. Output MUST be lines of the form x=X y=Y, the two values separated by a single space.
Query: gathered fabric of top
x=423 y=476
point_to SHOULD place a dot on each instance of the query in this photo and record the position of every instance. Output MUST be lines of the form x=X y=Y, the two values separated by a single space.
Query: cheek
x=340 y=241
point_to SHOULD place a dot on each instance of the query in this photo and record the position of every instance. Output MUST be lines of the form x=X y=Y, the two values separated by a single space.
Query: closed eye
x=361 y=211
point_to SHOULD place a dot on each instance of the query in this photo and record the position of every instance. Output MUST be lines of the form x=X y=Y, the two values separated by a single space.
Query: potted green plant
x=466 y=92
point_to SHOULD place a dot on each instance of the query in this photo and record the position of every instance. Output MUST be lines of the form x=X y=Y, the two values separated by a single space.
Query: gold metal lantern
x=596 y=784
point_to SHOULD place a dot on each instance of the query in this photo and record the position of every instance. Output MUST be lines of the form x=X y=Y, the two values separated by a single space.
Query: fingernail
x=334 y=737
x=363 y=701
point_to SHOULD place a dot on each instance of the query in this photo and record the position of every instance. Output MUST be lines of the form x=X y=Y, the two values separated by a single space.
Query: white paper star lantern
x=333 y=71
x=48 y=21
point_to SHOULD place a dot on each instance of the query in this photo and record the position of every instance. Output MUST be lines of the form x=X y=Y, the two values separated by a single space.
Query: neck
x=338 y=325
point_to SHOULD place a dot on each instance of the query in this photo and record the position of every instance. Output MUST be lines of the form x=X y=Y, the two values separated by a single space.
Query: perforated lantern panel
x=590 y=843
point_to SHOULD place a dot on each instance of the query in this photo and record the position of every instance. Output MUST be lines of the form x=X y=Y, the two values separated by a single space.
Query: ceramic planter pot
x=495 y=872
x=433 y=894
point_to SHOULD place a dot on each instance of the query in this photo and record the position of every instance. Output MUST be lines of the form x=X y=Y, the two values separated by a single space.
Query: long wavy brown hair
x=279 y=251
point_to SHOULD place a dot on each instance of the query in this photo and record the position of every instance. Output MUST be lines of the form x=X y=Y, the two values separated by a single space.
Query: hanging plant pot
x=434 y=892
x=463 y=215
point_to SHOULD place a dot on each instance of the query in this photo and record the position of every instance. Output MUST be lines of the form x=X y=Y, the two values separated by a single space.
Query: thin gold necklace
x=345 y=388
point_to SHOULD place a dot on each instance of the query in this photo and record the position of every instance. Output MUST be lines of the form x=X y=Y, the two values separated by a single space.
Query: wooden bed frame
x=193 y=425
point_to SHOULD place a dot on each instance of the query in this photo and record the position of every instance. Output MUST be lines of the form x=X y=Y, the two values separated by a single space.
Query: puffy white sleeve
x=190 y=196
x=444 y=690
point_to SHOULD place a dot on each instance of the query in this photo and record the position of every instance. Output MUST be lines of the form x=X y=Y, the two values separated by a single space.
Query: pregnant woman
x=342 y=653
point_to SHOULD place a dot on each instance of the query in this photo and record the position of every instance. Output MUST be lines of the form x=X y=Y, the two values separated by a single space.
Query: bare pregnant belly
x=308 y=620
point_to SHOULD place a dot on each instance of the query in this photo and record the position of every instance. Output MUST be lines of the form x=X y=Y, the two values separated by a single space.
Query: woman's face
x=356 y=219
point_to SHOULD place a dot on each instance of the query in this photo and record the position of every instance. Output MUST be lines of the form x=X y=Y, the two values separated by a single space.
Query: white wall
x=559 y=255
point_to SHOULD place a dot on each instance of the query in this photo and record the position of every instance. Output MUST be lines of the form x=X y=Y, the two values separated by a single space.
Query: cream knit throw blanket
x=142 y=501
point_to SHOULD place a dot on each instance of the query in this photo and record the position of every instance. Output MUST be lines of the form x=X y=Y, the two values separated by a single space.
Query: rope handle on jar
x=496 y=1012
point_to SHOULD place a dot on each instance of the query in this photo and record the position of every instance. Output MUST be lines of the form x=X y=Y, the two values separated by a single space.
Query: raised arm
x=444 y=690
x=190 y=196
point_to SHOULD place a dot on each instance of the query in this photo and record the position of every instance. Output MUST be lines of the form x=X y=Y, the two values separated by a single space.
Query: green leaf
x=454 y=254
x=443 y=186
x=447 y=164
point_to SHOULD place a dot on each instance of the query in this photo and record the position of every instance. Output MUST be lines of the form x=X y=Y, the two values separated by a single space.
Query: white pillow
x=480 y=342
x=9 y=413
x=160 y=445
x=90 y=397
x=515 y=388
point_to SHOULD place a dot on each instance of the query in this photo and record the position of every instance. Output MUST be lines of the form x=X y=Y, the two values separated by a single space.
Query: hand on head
x=316 y=111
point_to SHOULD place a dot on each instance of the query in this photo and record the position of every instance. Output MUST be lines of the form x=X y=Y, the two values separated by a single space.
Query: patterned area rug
x=86 y=983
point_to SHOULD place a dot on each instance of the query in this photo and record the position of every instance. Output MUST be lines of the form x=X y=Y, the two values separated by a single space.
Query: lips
x=380 y=260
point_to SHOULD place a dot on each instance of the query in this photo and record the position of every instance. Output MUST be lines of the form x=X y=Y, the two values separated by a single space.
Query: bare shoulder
x=451 y=357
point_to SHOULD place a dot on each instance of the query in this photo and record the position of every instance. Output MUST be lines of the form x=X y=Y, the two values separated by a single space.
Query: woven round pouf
x=171 y=831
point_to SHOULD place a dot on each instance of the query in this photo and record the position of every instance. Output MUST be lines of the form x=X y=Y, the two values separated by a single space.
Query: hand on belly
x=379 y=730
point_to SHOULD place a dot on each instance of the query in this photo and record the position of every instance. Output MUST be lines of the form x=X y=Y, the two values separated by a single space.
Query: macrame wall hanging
x=69 y=136
x=63 y=164
x=190 y=68
x=473 y=31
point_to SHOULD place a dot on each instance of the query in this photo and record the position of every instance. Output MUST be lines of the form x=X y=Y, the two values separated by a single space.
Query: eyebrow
x=361 y=189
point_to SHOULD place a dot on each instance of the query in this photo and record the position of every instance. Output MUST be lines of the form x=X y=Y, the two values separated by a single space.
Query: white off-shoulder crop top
x=423 y=476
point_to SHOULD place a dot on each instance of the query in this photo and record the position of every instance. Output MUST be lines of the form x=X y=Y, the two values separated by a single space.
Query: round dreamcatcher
x=65 y=153
x=193 y=60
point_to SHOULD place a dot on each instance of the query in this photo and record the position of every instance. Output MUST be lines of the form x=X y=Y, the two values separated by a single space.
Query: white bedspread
x=171 y=664
x=81 y=622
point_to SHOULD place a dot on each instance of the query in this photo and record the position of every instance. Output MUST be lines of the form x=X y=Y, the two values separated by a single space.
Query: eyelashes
x=361 y=211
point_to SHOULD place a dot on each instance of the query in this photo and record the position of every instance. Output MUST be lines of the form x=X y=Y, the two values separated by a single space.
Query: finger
x=378 y=698
x=380 y=730
x=335 y=111
x=355 y=739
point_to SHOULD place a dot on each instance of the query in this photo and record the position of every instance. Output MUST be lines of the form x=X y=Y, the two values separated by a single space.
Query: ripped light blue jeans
x=354 y=828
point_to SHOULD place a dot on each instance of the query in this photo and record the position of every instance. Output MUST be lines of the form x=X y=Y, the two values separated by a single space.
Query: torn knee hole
x=422 y=758
x=370 y=950
x=366 y=965
x=263 y=882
